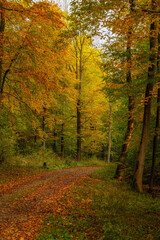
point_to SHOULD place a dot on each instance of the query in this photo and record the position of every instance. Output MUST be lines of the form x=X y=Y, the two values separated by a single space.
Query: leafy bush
x=7 y=148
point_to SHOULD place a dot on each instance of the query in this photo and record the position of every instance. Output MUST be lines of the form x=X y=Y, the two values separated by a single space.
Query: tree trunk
x=35 y=138
x=128 y=135
x=2 y=26
x=109 y=134
x=54 y=141
x=144 y=138
x=79 y=79
x=147 y=107
x=121 y=160
x=62 y=140
x=78 y=131
x=43 y=126
x=54 y=146
x=155 y=139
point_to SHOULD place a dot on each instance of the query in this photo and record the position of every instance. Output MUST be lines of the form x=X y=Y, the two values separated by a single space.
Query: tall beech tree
x=78 y=45
x=78 y=33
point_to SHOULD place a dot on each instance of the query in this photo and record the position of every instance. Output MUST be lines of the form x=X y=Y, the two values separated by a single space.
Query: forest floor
x=75 y=203
x=25 y=201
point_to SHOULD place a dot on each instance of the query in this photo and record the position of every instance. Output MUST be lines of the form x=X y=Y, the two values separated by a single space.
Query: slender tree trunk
x=78 y=130
x=147 y=107
x=109 y=134
x=121 y=160
x=54 y=146
x=35 y=138
x=79 y=79
x=62 y=140
x=43 y=126
x=78 y=108
x=2 y=26
x=54 y=141
x=155 y=139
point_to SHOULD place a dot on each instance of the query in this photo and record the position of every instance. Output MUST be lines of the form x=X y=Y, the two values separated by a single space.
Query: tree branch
x=8 y=70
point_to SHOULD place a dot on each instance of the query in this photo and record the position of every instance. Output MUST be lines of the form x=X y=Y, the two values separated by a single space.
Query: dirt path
x=26 y=201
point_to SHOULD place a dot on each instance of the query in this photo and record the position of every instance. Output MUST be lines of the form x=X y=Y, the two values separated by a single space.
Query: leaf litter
x=26 y=201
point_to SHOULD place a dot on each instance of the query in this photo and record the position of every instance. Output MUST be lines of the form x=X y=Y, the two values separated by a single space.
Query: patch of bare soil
x=25 y=202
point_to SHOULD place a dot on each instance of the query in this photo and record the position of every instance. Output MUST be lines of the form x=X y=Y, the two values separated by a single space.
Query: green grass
x=102 y=208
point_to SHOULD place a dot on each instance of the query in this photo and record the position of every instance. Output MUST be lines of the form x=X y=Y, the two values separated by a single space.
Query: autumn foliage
x=57 y=87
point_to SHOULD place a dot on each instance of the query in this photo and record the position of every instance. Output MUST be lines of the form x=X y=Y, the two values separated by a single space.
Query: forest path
x=25 y=202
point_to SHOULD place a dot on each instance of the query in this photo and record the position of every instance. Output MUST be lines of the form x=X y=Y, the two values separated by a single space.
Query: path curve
x=25 y=203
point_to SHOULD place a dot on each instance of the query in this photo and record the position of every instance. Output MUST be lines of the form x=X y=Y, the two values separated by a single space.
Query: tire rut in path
x=24 y=206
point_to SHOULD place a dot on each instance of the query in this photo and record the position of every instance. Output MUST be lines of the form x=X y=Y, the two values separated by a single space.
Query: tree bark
x=155 y=141
x=43 y=126
x=109 y=134
x=2 y=27
x=79 y=80
x=62 y=140
x=54 y=146
x=78 y=130
x=128 y=135
x=155 y=138
x=144 y=138
x=54 y=141
x=78 y=107
x=121 y=160
x=147 y=107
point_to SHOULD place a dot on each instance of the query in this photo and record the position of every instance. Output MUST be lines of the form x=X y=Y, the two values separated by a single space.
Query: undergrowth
x=24 y=165
x=100 y=208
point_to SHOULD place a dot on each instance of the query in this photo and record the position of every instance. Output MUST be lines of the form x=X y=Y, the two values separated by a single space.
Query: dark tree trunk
x=109 y=134
x=78 y=131
x=35 y=138
x=155 y=139
x=121 y=160
x=43 y=125
x=147 y=107
x=62 y=141
x=54 y=146
x=79 y=79
x=144 y=138
x=2 y=26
